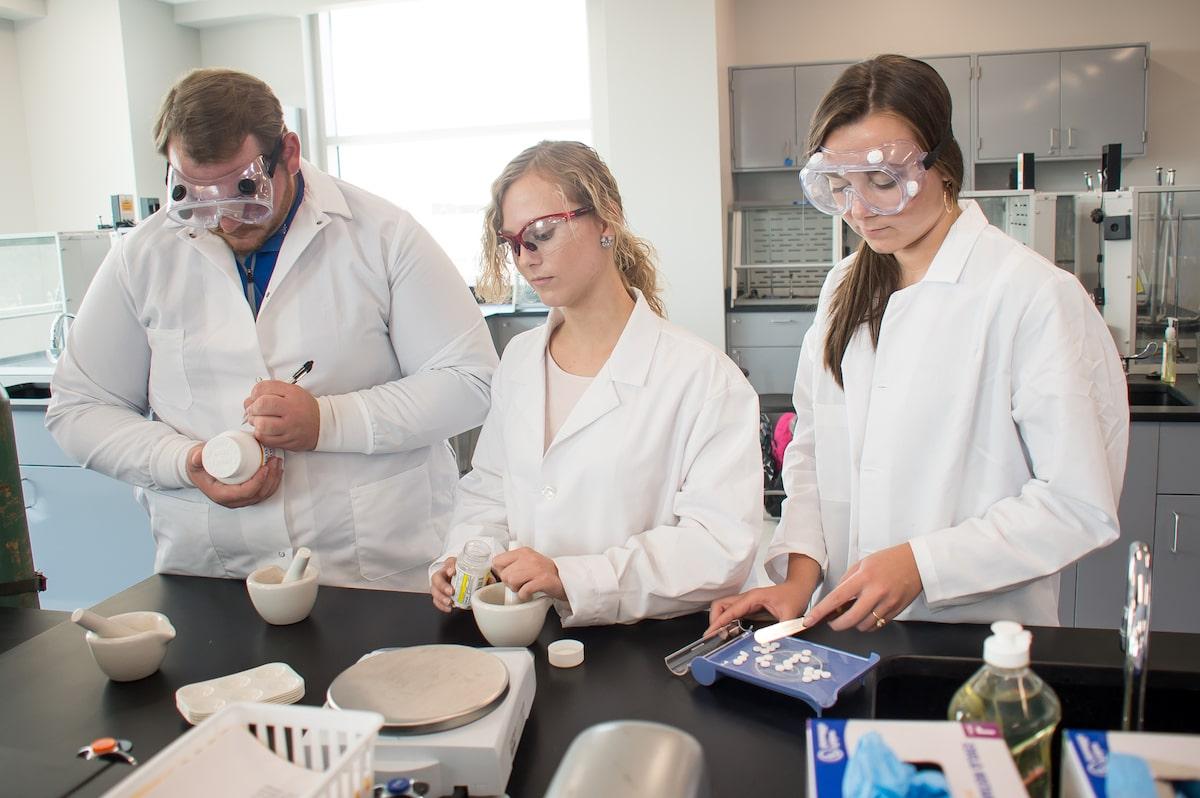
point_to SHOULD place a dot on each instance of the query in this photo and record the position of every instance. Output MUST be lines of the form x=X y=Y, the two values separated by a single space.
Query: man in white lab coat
x=197 y=320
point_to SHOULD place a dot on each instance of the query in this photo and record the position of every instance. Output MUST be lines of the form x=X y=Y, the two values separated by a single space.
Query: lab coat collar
x=322 y=197
x=629 y=363
x=321 y=192
x=630 y=359
x=951 y=257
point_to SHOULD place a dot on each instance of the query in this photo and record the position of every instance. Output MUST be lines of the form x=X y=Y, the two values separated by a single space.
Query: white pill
x=779 y=668
x=826 y=675
x=806 y=653
x=787 y=666
x=806 y=678
x=767 y=657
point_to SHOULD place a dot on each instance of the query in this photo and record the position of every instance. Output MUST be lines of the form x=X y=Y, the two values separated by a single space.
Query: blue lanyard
x=270 y=253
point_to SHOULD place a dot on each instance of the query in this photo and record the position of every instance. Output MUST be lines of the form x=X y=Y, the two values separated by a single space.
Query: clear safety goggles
x=883 y=178
x=245 y=195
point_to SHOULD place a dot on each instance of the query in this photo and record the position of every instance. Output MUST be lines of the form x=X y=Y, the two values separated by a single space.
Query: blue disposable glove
x=1128 y=777
x=875 y=771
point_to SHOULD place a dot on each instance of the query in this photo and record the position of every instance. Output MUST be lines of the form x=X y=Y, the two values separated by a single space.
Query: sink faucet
x=1135 y=637
x=1150 y=349
x=58 y=336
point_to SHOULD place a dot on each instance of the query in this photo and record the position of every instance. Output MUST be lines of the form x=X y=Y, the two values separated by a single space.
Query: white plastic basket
x=338 y=745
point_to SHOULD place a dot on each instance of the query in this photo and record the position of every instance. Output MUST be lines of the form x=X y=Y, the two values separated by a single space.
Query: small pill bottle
x=472 y=571
x=234 y=456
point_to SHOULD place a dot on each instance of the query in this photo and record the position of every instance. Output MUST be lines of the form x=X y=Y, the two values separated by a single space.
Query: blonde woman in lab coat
x=962 y=420
x=620 y=452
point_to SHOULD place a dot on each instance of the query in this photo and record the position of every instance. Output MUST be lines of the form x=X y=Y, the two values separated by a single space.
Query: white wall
x=76 y=111
x=157 y=52
x=726 y=20
x=656 y=123
x=16 y=195
x=271 y=50
x=774 y=31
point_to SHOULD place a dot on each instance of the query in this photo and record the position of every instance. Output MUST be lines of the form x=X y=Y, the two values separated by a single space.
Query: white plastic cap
x=565 y=653
x=232 y=457
x=1172 y=333
x=1008 y=647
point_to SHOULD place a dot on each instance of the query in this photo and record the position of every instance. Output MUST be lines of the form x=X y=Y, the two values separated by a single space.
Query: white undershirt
x=562 y=394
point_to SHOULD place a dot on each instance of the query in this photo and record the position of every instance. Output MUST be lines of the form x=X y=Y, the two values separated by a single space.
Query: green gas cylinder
x=18 y=582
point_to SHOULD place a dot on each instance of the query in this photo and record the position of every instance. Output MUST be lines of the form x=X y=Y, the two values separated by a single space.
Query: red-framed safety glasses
x=541 y=234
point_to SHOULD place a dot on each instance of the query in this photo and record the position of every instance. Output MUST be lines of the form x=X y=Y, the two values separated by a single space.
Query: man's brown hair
x=209 y=112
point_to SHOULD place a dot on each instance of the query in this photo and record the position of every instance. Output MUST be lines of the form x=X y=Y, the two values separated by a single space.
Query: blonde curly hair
x=585 y=180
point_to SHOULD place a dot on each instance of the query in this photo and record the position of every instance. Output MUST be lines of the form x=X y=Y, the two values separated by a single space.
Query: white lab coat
x=649 y=498
x=989 y=431
x=402 y=360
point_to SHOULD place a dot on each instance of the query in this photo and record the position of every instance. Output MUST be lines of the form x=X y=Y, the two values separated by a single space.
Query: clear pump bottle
x=1170 y=350
x=471 y=571
x=1007 y=693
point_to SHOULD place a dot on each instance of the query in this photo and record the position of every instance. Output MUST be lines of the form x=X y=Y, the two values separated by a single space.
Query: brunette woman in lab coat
x=962 y=420
x=620 y=453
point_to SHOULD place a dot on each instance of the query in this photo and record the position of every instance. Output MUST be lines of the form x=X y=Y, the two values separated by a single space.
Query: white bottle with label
x=472 y=570
x=1007 y=693
x=234 y=456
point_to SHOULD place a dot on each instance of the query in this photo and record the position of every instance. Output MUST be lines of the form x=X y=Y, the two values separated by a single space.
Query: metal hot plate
x=423 y=689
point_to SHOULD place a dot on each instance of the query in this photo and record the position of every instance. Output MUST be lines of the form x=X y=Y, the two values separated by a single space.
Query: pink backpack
x=785 y=427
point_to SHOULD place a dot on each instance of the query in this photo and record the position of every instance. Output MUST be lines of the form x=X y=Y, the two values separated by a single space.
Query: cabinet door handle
x=29 y=489
x=1053 y=140
x=781 y=321
x=1070 y=138
x=1175 y=536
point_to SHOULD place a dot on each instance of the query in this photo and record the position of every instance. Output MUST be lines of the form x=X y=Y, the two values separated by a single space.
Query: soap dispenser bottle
x=1170 y=350
x=1007 y=693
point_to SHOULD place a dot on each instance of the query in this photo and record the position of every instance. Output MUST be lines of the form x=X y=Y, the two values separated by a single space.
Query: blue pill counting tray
x=813 y=673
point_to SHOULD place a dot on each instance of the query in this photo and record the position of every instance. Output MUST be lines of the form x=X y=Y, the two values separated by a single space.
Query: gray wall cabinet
x=764 y=117
x=956 y=71
x=1057 y=104
x=1062 y=104
x=772 y=108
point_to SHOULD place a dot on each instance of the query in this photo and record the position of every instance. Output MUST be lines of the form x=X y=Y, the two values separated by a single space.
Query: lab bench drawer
x=770 y=369
x=1179 y=459
x=34 y=444
x=1176 y=558
x=768 y=329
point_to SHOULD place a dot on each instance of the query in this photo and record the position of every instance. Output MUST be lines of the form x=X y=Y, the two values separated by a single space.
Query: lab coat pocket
x=168 y=377
x=831 y=433
x=183 y=544
x=392 y=525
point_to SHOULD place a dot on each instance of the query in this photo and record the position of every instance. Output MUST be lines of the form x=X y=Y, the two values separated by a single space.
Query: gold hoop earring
x=946 y=198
